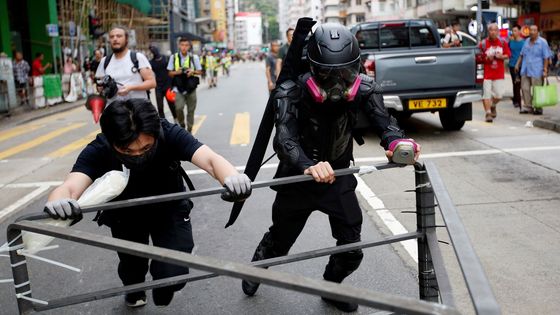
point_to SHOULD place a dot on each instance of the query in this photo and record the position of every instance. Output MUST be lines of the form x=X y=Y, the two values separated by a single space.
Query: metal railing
x=435 y=292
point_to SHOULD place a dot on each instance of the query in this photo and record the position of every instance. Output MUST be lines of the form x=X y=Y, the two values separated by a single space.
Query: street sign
x=52 y=30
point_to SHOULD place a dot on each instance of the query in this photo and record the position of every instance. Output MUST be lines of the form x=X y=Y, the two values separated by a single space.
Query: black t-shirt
x=93 y=65
x=159 y=66
x=161 y=176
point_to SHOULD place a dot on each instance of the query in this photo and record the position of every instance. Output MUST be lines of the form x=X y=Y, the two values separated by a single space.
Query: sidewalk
x=24 y=113
x=551 y=115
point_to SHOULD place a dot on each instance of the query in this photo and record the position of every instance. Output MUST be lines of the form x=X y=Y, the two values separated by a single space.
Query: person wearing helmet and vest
x=184 y=67
x=314 y=115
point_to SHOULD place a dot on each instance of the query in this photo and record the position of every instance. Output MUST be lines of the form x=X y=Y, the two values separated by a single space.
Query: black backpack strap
x=134 y=59
x=176 y=166
x=186 y=178
x=107 y=60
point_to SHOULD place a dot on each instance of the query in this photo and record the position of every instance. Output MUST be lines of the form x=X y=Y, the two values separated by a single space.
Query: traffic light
x=485 y=4
x=95 y=29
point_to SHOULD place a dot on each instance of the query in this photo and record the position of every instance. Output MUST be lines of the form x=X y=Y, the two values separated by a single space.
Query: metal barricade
x=435 y=294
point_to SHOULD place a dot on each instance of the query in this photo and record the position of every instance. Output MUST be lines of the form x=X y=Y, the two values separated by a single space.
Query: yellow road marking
x=241 y=132
x=76 y=145
x=198 y=120
x=37 y=141
x=57 y=116
x=14 y=132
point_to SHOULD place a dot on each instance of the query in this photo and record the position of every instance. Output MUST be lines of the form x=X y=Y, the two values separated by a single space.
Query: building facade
x=248 y=30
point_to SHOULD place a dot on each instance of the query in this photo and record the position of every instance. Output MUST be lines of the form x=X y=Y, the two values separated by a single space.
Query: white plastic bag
x=103 y=189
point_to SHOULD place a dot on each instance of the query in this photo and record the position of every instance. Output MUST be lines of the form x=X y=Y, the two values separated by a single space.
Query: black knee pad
x=342 y=265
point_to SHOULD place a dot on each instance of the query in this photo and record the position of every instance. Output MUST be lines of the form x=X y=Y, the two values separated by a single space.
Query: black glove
x=238 y=188
x=64 y=209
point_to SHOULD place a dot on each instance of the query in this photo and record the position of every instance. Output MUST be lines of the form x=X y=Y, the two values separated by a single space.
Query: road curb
x=19 y=119
x=547 y=124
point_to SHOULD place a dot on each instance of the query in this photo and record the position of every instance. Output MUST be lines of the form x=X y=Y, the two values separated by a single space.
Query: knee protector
x=342 y=265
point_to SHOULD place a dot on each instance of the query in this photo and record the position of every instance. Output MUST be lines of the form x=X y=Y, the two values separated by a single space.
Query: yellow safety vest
x=186 y=64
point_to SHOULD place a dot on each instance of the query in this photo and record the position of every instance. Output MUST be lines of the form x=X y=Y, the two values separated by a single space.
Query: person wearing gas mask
x=124 y=74
x=314 y=116
x=133 y=135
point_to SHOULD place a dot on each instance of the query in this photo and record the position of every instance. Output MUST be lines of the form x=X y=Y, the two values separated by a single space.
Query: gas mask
x=334 y=84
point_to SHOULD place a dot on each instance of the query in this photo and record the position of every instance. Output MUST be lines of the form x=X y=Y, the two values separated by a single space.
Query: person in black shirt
x=163 y=81
x=133 y=135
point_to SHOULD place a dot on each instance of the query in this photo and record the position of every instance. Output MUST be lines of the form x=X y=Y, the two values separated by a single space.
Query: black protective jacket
x=308 y=132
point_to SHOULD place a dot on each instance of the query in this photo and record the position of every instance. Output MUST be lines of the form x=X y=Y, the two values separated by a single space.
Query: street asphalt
x=503 y=178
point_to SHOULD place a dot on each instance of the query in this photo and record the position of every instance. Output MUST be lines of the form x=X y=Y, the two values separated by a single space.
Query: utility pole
x=478 y=20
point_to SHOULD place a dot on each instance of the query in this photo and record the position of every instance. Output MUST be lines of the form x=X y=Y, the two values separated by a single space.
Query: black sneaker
x=162 y=297
x=135 y=299
x=537 y=111
x=342 y=306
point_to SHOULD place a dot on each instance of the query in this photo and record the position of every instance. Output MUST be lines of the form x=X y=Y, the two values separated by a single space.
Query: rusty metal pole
x=425 y=221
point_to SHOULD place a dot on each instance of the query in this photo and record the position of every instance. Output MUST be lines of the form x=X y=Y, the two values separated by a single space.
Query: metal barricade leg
x=19 y=272
x=425 y=221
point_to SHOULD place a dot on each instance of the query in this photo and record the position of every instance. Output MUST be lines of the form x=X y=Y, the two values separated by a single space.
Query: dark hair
x=516 y=26
x=39 y=54
x=184 y=39
x=123 y=121
x=455 y=23
x=290 y=29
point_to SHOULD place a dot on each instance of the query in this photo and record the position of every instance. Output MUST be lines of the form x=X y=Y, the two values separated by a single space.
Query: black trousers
x=516 y=82
x=160 y=94
x=292 y=208
x=172 y=230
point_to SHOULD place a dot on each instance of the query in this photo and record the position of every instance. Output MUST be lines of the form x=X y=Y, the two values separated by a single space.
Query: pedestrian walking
x=130 y=70
x=271 y=64
x=133 y=135
x=94 y=64
x=163 y=81
x=313 y=118
x=495 y=50
x=184 y=69
x=37 y=68
x=533 y=67
x=515 y=45
x=21 y=76
x=284 y=49
x=453 y=39
x=211 y=69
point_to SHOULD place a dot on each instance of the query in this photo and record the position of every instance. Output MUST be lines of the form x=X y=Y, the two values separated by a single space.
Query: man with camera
x=184 y=67
x=124 y=74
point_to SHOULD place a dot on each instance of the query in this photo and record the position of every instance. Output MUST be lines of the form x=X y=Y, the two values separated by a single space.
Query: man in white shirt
x=133 y=80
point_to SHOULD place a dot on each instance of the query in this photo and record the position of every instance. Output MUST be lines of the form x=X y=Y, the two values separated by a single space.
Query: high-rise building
x=248 y=30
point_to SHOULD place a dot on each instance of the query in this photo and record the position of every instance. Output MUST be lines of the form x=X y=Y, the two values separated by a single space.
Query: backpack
x=133 y=58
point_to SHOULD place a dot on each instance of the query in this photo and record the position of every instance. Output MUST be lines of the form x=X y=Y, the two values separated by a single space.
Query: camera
x=109 y=86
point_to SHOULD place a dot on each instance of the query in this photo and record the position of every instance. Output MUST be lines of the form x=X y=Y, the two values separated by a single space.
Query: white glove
x=238 y=188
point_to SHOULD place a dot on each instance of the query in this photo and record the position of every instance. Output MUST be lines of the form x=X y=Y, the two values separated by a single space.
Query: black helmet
x=334 y=58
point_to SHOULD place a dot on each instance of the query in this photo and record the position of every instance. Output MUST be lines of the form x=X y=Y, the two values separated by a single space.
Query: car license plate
x=427 y=104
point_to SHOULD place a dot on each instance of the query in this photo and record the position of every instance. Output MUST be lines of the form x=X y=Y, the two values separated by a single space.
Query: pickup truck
x=417 y=75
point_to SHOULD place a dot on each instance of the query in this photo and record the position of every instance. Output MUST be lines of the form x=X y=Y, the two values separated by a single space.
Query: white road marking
x=31 y=185
x=386 y=217
x=423 y=156
x=22 y=201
